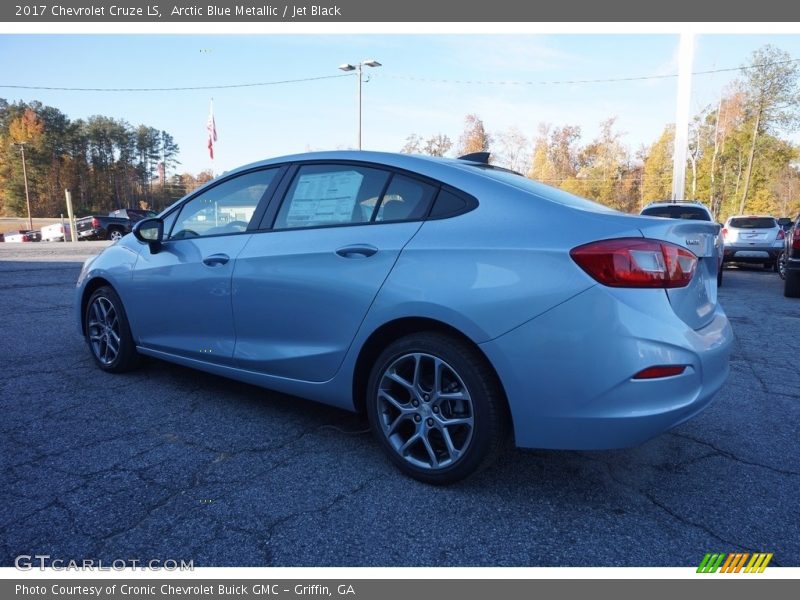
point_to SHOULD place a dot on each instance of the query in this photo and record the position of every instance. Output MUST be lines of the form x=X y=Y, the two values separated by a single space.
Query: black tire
x=115 y=233
x=791 y=285
x=482 y=401
x=101 y=342
x=780 y=265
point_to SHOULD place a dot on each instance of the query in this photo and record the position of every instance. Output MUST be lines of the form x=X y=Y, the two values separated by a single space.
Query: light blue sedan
x=457 y=304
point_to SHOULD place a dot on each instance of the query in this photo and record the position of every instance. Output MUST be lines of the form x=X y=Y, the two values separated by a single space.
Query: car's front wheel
x=108 y=332
x=436 y=407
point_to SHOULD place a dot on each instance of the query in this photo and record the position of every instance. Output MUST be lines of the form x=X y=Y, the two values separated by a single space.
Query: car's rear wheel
x=115 y=235
x=108 y=332
x=791 y=285
x=436 y=407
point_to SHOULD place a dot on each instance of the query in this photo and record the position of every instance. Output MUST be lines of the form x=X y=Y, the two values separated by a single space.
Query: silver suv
x=753 y=239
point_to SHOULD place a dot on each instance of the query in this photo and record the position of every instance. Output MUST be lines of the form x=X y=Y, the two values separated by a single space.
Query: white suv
x=696 y=211
x=753 y=239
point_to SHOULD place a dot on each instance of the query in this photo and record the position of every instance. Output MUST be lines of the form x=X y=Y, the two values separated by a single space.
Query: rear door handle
x=357 y=251
x=216 y=260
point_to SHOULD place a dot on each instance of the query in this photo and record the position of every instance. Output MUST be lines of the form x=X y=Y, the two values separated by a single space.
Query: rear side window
x=323 y=195
x=405 y=199
x=677 y=212
x=753 y=223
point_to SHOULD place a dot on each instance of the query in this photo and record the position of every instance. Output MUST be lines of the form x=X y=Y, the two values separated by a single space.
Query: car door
x=181 y=295
x=302 y=289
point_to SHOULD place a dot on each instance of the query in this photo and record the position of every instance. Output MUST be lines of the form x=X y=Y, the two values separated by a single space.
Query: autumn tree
x=657 y=174
x=514 y=149
x=437 y=145
x=474 y=138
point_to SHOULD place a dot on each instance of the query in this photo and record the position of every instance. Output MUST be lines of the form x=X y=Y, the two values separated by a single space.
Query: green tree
x=770 y=80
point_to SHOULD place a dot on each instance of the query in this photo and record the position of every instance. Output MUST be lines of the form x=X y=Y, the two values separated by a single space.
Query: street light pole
x=25 y=177
x=359 y=68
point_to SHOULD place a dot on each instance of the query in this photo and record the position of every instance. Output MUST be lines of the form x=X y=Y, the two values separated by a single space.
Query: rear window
x=753 y=223
x=678 y=212
x=541 y=190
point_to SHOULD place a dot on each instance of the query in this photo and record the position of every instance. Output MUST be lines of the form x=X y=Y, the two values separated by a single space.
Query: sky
x=421 y=88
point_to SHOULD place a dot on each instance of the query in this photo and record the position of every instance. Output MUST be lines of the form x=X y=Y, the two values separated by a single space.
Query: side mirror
x=150 y=232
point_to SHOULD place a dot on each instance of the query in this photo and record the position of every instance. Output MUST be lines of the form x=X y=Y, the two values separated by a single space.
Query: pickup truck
x=112 y=226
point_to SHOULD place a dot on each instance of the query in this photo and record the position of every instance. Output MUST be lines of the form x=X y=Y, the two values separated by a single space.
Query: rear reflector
x=636 y=263
x=660 y=371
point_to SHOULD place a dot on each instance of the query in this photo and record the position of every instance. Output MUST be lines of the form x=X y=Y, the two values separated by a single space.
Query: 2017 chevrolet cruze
x=456 y=303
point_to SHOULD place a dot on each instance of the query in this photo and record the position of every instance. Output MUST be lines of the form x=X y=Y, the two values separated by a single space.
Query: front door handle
x=216 y=260
x=357 y=251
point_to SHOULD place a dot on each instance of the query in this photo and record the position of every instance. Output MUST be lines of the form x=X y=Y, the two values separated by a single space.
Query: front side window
x=224 y=208
x=323 y=195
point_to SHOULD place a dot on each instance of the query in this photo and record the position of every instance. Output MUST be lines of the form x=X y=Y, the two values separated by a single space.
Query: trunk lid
x=694 y=304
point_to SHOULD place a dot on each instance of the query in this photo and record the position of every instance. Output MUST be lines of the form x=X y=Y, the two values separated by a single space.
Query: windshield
x=678 y=212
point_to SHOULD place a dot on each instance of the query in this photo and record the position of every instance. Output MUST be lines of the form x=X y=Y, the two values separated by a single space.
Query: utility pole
x=685 y=59
x=25 y=177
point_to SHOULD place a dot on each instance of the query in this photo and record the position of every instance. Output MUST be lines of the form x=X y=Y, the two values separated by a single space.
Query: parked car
x=23 y=235
x=112 y=226
x=789 y=262
x=57 y=232
x=753 y=239
x=447 y=299
x=694 y=210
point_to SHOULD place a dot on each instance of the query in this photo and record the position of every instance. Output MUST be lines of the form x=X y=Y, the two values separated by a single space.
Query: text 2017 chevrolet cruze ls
x=453 y=302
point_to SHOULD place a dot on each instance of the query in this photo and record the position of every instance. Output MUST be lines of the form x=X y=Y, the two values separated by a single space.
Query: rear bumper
x=751 y=254
x=567 y=374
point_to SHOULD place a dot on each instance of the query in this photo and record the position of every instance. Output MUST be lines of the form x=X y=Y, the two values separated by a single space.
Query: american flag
x=211 y=126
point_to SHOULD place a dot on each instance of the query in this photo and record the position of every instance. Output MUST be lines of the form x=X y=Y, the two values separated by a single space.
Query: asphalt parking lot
x=169 y=463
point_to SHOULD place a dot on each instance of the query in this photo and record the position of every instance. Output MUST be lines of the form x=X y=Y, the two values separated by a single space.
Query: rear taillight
x=660 y=371
x=96 y=223
x=796 y=240
x=724 y=233
x=781 y=234
x=636 y=263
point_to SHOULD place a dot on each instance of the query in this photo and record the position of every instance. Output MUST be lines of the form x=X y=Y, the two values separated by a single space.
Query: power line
x=402 y=77
x=171 y=89
x=579 y=81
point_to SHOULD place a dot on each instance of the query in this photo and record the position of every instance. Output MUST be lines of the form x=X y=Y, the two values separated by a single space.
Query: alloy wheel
x=425 y=411
x=104 y=330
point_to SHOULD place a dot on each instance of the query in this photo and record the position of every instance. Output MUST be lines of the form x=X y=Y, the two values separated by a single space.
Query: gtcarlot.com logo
x=735 y=562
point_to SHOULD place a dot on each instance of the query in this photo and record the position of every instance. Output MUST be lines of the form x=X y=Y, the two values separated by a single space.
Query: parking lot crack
x=730 y=455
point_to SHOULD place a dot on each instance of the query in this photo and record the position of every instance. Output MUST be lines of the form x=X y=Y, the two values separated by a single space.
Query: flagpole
x=211 y=127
